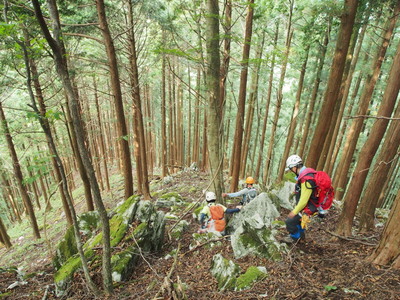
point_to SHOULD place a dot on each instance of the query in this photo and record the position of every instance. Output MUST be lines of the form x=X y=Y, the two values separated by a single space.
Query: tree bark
x=18 y=174
x=387 y=155
x=137 y=105
x=334 y=82
x=357 y=124
x=119 y=107
x=388 y=250
x=4 y=237
x=269 y=158
x=237 y=146
x=369 y=149
x=59 y=53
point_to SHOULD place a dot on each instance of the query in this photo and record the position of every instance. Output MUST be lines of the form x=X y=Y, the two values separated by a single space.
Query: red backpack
x=323 y=192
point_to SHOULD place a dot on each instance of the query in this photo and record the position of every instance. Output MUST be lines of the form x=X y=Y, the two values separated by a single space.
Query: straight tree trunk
x=314 y=94
x=267 y=105
x=253 y=96
x=293 y=123
x=379 y=176
x=164 y=170
x=4 y=237
x=237 y=146
x=18 y=174
x=214 y=127
x=137 y=103
x=334 y=82
x=59 y=53
x=357 y=124
x=370 y=147
x=119 y=107
x=269 y=158
x=388 y=250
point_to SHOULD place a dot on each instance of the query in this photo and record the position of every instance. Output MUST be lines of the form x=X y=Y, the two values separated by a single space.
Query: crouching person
x=212 y=215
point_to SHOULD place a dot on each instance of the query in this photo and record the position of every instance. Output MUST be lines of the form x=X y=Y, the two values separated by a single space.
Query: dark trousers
x=291 y=224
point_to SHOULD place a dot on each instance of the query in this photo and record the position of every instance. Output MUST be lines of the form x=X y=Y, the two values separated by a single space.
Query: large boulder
x=147 y=236
x=252 y=229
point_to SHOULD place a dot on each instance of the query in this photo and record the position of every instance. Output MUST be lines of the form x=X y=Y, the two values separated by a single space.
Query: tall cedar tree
x=214 y=126
x=237 y=146
x=119 y=106
x=334 y=82
x=370 y=148
x=57 y=46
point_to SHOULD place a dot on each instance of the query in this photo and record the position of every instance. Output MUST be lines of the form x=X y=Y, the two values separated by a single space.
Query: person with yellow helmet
x=248 y=193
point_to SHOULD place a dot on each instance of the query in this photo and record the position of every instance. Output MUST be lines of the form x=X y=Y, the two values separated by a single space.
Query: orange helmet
x=250 y=180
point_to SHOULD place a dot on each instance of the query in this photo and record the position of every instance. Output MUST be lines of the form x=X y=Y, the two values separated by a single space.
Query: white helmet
x=210 y=196
x=293 y=161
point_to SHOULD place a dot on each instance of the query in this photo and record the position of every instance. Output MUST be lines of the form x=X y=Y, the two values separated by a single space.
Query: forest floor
x=323 y=267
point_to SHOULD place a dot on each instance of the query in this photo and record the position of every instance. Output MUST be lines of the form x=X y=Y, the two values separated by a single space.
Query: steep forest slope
x=324 y=267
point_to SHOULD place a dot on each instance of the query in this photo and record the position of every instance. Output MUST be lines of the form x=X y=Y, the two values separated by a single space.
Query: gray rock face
x=252 y=229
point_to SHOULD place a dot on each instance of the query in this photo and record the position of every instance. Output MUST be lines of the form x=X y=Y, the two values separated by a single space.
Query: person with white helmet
x=247 y=194
x=303 y=191
x=212 y=215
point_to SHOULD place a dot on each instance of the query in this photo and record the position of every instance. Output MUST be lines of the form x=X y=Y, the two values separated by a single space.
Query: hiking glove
x=304 y=221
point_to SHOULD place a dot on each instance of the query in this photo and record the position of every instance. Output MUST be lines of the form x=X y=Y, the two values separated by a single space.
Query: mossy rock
x=225 y=272
x=200 y=238
x=252 y=275
x=122 y=263
x=65 y=249
x=128 y=208
x=179 y=229
x=172 y=196
x=89 y=222
x=196 y=212
x=64 y=275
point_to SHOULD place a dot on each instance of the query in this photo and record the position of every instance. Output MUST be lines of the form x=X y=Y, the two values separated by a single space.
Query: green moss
x=89 y=222
x=5 y=295
x=66 y=271
x=171 y=195
x=117 y=230
x=289 y=176
x=121 y=209
x=245 y=281
x=65 y=249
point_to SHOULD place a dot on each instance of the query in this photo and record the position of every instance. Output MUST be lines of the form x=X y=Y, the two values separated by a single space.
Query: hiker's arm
x=237 y=194
x=306 y=191
x=232 y=210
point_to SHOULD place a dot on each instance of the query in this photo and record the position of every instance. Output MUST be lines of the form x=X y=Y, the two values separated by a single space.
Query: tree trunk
x=379 y=175
x=253 y=96
x=4 y=237
x=340 y=179
x=269 y=158
x=214 y=127
x=314 y=94
x=370 y=147
x=388 y=250
x=268 y=101
x=334 y=82
x=59 y=53
x=293 y=123
x=119 y=106
x=18 y=174
x=138 y=113
x=164 y=170
x=237 y=146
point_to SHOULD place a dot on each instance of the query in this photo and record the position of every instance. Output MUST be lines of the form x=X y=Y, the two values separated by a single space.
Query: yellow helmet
x=250 y=180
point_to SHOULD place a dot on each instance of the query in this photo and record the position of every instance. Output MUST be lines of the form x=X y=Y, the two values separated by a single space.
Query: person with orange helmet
x=247 y=194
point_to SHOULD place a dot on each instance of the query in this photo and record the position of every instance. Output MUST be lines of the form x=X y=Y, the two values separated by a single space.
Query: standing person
x=212 y=215
x=248 y=193
x=304 y=192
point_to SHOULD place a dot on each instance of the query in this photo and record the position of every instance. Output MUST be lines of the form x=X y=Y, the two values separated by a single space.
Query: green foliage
x=329 y=288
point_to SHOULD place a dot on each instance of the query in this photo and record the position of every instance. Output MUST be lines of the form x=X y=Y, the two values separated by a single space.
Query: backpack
x=323 y=193
x=251 y=195
x=217 y=218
